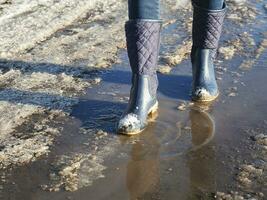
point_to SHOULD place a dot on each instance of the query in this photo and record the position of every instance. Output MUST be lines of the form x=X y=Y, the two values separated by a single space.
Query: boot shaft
x=142 y=39
x=207 y=27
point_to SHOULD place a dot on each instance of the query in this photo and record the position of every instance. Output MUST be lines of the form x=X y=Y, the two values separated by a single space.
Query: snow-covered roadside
x=46 y=49
x=24 y=23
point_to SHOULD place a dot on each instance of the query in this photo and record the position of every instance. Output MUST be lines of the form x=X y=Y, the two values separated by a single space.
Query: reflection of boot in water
x=201 y=162
x=143 y=168
x=202 y=127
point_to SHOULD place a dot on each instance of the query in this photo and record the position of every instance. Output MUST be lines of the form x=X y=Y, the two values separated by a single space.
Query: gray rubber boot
x=142 y=38
x=207 y=27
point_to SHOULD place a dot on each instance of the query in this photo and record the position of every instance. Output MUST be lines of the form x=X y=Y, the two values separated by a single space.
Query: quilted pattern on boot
x=142 y=45
x=207 y=27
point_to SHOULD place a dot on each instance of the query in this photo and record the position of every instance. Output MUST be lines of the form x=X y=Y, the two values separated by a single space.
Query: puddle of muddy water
x=183 y=154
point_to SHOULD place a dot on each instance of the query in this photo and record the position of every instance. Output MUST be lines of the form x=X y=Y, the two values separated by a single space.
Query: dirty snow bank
x=39 y=19
x=46 y=49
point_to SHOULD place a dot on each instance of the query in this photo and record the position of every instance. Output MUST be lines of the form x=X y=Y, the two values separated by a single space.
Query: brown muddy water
x=189 y=151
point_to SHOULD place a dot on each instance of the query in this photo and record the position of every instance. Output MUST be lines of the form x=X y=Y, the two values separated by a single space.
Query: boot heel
x=153 y=112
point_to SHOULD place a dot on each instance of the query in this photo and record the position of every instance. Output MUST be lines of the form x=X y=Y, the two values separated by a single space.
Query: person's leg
x=142 y=39
x=207 y=26
x=210 y=4
x=144 y=9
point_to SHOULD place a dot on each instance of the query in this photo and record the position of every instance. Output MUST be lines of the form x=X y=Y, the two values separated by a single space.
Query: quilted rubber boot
x=207 y=27
x=142 y=38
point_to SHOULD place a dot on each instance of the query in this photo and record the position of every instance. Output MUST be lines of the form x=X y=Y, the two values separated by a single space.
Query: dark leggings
x=150 y=9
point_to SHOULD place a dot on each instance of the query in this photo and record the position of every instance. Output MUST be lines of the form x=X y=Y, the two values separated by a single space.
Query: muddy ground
x=64 y=82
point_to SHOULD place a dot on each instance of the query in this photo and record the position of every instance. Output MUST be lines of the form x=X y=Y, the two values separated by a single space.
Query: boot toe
x=130 y=124
x=202 y=94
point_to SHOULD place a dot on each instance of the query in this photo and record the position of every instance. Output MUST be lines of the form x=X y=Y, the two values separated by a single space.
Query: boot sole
x=151 y=116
